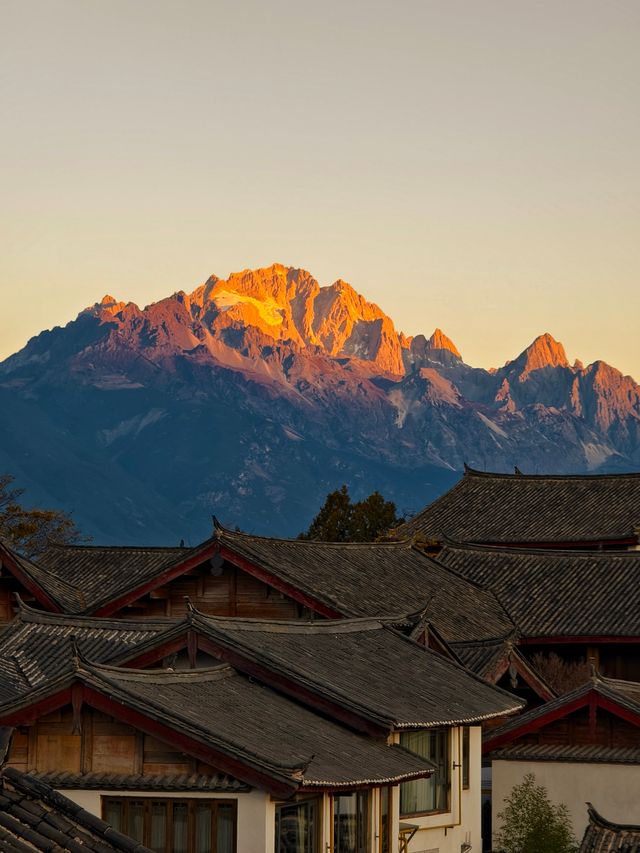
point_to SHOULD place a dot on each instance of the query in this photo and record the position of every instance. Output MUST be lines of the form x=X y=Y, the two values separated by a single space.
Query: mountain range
x=254 y=396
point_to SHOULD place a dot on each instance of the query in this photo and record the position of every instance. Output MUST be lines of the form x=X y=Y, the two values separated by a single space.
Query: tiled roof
x=34 y=817
x=625 y=694
x=249 y=723
x=35 y=647
x=65 y=595
x=363 y=665
x=375 y=579
x=556 y=593
x=591 y=753
x=104 y=573
x=519 y=508
x=262 y=727
x=605 y=836
x=486 y=656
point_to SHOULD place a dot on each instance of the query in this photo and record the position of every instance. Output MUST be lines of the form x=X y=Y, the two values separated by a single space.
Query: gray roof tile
x=556 y=593
x=519 y=508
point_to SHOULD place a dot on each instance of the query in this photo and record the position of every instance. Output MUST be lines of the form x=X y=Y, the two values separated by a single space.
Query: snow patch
x=596 y=454
x=133 y=426
x=270 y=312
x=492 y=426
x=401 y=405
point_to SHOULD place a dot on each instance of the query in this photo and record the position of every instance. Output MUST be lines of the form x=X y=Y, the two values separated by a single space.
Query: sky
x=466 y=164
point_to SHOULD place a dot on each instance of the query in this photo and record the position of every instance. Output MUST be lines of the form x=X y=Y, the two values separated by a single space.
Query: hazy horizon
x=467 y=166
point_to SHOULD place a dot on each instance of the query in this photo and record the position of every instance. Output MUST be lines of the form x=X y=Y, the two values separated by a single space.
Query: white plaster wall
x=256 y=812
x=614 y=789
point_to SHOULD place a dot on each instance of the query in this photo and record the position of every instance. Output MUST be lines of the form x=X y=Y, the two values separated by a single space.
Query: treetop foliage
x=341 y=520
x=29 y=530
x=531 y=823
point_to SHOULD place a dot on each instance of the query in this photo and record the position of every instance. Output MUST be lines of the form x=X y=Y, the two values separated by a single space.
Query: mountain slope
x=253 y=396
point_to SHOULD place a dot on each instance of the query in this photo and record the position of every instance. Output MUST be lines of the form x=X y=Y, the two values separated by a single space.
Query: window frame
x=446 y=734
x=190 y=802
x=300 y=801
x=466 y=758
x=358 y=792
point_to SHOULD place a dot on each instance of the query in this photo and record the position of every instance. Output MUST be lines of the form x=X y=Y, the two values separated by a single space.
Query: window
x=351 y=822
x=466 y=757
x=297 y=827
x=175 y=826
x=432 y=794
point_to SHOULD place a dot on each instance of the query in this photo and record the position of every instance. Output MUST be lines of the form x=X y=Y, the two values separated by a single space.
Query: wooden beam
x=28 y=582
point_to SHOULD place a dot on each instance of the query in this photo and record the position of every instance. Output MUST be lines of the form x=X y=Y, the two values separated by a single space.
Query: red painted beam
x=164 y=577
x=27 y=582
x=28 y=715
x=529 y=726
x=534 y=683
x=624 y=713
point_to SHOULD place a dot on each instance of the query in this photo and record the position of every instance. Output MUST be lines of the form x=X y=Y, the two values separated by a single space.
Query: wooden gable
x=224 y=591
x=96 y=743
x=585 y=728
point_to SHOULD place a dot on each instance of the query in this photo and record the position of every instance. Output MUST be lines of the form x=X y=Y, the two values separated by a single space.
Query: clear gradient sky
x=468 y=164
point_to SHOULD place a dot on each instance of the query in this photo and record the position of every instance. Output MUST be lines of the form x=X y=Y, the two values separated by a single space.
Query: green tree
x=341 y=520
x=29 y=530
x=531 y=823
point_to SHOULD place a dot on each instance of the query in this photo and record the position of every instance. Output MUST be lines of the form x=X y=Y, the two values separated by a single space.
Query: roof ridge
x=31 y=615
x=349 y=624
x=497 y=548
x=474 y=472
x=210 y=673
x=241 y=534
x=61 y=546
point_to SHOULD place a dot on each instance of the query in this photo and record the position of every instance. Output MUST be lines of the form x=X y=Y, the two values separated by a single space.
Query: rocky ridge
x=254 y=395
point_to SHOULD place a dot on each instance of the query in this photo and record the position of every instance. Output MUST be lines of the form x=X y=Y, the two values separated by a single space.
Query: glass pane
x=135 y=820
x=158 y=828
x=113 y=814
x=180 y=828
x=351 y=823
x=432 y=794
x=225 y=828
x=385 y=817
x=296 y=827
x=203 y=828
